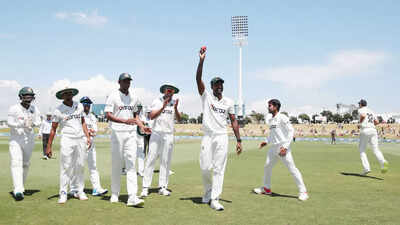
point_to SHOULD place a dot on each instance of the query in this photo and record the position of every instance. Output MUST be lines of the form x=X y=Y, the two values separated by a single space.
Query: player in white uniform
x=90 y=154
x=44 y=133
x=214 y=145
x=368 y=134
x=121 y=108
x=280 y=137
x=164 y=110
x=73 y=144
x=22 y=118
x=140 y=142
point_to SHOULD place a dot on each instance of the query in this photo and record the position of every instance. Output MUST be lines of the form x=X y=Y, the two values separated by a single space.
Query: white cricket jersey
x=91 y=121
x=121 y=106
x=368 y=122
x=22 y=120
x=45 y=128
x=69 y=119
x=215 y=113
x=281 y=131
x=165 y=122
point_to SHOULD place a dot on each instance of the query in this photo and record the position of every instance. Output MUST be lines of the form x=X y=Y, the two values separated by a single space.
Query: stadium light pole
x=240 y=32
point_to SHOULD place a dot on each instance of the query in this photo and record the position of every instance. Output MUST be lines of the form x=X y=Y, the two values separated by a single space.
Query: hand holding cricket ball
x=202 y=53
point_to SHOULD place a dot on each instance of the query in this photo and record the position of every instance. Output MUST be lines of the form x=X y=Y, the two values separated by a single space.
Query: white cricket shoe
x=63 y=198
x=114 y=198
x=145 y=193
x=171 y=173
x=303 y=196
x=135 y=201
x=216 y=205
x=164 y=191
x=81 y=196
x=262 y=191
x=206 y=197
x=99 y=191
x=365 y=173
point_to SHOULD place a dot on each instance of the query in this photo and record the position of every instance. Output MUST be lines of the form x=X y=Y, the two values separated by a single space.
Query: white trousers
x=140 y=153
x=123 y=152
x=160 y=146
x=272 y=158
x=20 y=154
x=90 y=156
x=213 y=157
x=72 y=159
x=370 y=136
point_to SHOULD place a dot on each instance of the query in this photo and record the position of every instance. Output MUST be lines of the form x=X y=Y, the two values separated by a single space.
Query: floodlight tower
x=240 y=32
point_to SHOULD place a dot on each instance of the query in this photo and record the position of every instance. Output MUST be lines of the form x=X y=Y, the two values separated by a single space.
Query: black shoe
x=19 y=196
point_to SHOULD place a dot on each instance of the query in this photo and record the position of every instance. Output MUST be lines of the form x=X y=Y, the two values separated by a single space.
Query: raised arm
x=156 y=112
x=200 y=84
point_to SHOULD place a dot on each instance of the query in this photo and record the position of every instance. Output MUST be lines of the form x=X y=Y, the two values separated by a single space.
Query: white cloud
x=90 y=18
x=340 y=64
x=97 y=88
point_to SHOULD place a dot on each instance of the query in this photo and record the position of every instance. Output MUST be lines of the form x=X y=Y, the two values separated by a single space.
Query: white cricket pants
x=72 y=159
x=140 y=153
x=20 y=148
x=370 y=136
x=123 y=152
x=272 y=158
x=160 y=146
x=213 y=157
x=90 y=156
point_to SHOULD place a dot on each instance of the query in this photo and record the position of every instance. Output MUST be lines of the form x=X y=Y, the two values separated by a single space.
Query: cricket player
x=90 y=154
x=121 y=110
x=214 y=145
x=73 y=144
x=44 y=133
x=22 y=118
x=164 y=111
x=280 y=137
x=140 y=142
x=368 y=134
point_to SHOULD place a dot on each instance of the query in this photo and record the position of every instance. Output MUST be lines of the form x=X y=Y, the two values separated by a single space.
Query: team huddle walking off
x=78 y=128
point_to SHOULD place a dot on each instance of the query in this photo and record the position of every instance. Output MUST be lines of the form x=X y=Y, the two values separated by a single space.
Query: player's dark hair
x=276 y=103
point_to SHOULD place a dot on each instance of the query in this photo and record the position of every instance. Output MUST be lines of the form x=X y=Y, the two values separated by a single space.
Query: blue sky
x=309 y=54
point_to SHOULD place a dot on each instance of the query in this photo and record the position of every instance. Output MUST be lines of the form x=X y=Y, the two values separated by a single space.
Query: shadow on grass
x=197 y=200
x=274 y=194
x=360 y=175
x=26 y=193
x=121 y=198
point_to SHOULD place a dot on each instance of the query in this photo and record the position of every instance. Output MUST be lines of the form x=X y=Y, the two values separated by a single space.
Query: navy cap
x=85 y=100
x=216 y=80
x=363 y=102
x=124 y=76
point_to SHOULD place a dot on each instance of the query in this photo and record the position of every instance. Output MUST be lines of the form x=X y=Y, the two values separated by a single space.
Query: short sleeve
x=56 y=116
x=204 y=95
x=156 y=104
x=109 y=104
x=231 y=108
x=135 y=106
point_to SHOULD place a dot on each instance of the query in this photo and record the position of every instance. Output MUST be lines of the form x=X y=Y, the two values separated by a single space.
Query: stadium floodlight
x=240 y=32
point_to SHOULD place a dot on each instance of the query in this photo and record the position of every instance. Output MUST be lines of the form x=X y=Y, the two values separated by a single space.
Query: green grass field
x=334 y=198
